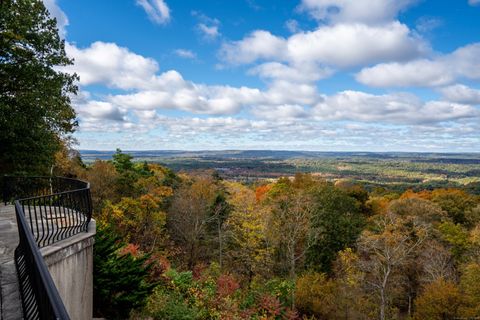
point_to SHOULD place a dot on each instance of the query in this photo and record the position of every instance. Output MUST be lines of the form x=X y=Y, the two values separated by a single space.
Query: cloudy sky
x=333 y=75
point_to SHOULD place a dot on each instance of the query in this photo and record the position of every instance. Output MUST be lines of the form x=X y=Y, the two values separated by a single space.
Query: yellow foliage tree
x=246 y=226
x=440 y=300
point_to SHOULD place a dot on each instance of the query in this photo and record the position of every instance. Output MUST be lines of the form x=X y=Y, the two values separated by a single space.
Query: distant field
x=396 y=170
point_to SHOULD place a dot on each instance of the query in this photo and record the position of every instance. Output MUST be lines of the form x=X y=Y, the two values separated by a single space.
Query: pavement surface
x=10 y=303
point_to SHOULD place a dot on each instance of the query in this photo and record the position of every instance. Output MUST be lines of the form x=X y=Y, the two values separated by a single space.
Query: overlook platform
x=69 y=262
x=46 y=248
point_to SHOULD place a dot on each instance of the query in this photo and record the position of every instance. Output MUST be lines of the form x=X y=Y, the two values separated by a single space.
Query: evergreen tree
x=120 y=281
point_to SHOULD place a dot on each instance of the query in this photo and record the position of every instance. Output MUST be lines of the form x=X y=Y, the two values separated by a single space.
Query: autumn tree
x=103 y=178
x=249 y=252
x=315 y=295
x=470 y=286
x=350 y=299
x=35 y=107
x=139 y=220
x=385 y=250
x=455 y=202
x=290 y=224
x=189 y=217
x=439 y=300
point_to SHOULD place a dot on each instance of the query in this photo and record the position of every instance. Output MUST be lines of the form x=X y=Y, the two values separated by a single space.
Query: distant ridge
x=90 y=155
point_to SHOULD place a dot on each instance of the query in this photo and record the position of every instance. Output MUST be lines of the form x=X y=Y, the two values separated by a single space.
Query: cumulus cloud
x=208 y=27
x=57 y=13
x=100 y=110
x=184 y=53
x=301 y=73
x=358 y=11
x=442 y=70
x=347 y=45
x=110 y=64
x=400 y=108
x=117 y=67
x=283 y=112
x=289 y=108
x=461 y=94
x=243 y=133
x=257 y=45
x=329 y=45
x=191 y=98
x=157 y=10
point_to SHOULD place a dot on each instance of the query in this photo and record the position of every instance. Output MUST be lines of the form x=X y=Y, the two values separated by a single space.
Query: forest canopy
x=298 y=247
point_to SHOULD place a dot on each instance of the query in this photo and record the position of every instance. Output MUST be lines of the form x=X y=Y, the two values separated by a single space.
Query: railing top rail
x=15 y=187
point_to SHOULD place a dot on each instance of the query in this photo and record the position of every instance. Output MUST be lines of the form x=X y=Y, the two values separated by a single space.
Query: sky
x=322 y=75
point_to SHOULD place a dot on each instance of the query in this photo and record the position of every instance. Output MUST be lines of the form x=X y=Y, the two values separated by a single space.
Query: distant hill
x=470 y=158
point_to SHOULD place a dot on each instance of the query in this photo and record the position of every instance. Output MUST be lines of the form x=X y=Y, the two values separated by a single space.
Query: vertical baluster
x=58 y=226
x=64 y=216
x=37 y=233
x=83 y=195
x=46 y=242
x=68 y=202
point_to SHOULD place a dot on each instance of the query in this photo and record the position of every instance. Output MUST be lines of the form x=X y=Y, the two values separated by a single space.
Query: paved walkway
x=10 y=304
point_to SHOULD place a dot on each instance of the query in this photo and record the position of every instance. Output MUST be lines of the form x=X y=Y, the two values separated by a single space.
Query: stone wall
x=70 y=263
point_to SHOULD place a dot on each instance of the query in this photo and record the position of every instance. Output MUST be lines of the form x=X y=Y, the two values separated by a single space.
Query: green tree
x=120 y=280
x=336 y=224
x=35 y=109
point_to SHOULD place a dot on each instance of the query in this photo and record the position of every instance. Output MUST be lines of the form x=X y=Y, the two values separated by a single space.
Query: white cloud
x=57 y=13
x=257 y=45
x=208 y=27
x=461 y=94
x=329 y=45
x=427 y=24
x=400 y=108
x=280 y=112
x=110 y=64
x=101 y=110
x=209 y=32
x=191 y=98
x=473 y=2
x=157 y=10
x=347 y=45
x=442 y=70
x=117 y=67
x=183 y=53
x=357 y=11
x=301 y=73
x=195 y=133
x=292 y=26
x=288 y=113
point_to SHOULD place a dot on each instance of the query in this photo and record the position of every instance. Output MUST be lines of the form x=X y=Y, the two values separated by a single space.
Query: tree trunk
x=220 y=244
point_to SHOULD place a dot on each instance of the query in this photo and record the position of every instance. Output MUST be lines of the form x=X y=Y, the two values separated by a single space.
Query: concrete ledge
x=70 y=246
x=70 y=263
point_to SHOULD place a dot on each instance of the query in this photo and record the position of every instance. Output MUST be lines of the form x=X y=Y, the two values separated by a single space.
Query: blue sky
x=333 y=75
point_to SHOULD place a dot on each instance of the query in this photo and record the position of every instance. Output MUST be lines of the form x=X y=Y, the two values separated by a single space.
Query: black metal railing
x=56 y=208
x=48 y=209
x=40 y=298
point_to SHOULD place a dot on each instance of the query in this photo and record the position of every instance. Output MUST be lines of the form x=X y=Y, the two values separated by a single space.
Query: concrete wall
x=70 y=263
